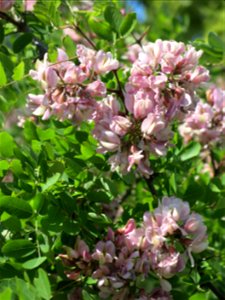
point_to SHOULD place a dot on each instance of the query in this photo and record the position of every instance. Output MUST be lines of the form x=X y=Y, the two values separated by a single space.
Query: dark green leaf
x=18 y=248
x=16 y=207
x=22 y=41
x=1 y=33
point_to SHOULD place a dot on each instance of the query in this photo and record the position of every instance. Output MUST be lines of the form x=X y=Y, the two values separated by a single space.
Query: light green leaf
x=6 y=294
x=34 y=263
x=51 y=181
x=4 y=165
x=3 y=78
x=99 y=218
x=69 y=46
x=18 y=71
x=42 y=285
x=215 y=42
x=191 y=150
x=6 y=144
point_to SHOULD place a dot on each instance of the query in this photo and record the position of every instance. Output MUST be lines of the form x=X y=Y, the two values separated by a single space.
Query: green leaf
x=22 y=41
x=98 y=218
x=42 y=285
x=16 y=207
x=86 y=295
x=16 y=167
x=18 y=248
x=12 y=224
x=102 y=29
x=34 y=263
x=18 y=72
x=4 y=165
x=191 y=150
x=69 y=46
x=198 y=296
x=1 y=33
x=51 y=181
x=128 y=24
x=47 y=134
x=86 y=151
x=6 y=144
x=215 y=42
x=3 y=78
x=6 y=294
x=113 y=17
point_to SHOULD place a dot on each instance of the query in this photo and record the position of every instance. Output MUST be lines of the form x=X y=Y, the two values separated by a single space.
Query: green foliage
x=54 y=186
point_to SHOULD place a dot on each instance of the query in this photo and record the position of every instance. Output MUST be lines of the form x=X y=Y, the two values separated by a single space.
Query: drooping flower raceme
x=162 y=85
x=207 y=123
x=133 y=252
x=70 y=90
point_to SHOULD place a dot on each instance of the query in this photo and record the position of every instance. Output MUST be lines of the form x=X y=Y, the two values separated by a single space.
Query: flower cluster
x=70 y=90
x=161 y=87
x=6 y=5
x=207 y=123
x=134 y=252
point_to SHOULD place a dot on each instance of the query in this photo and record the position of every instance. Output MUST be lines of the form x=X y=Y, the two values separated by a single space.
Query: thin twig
x=139 y=40
x=151 y=187
x=85 y=36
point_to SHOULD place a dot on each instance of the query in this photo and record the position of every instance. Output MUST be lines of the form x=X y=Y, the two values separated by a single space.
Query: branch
x=151 y=187
x=22 y=27
x=139 y=40
x=85 y=36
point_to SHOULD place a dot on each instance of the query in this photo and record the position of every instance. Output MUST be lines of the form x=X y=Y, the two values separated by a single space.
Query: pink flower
x=96 y=89
x=104 y=252
x=133 y=52
x=120 y=125
x=104 y=62
x=75 y=74
x=6 y=5
x=152 y=124
x=109 y=140
x=135 y=157
x=143 y=104
x=199 y=75
x=29 y=5
x=168 y=263
x=86 y=55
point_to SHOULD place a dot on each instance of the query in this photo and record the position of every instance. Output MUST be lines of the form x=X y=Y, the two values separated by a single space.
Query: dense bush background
x=54 y=186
